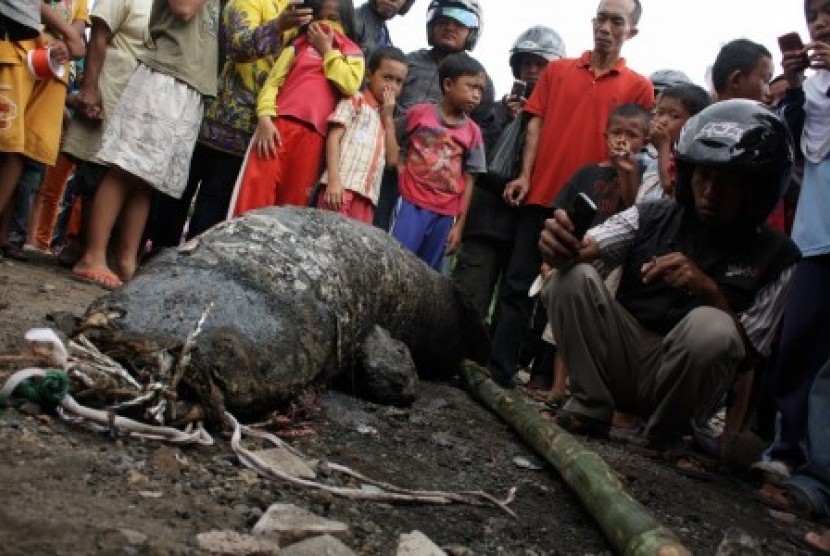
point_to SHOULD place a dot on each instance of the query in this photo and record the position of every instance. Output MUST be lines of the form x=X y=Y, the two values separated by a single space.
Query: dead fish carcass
x=294 y=293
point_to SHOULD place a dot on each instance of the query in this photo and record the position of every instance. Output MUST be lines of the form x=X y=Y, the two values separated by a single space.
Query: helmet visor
x=462 y=16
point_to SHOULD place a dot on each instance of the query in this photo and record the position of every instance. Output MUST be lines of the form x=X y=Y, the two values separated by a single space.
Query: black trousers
x=213 y=174
x=514 y=306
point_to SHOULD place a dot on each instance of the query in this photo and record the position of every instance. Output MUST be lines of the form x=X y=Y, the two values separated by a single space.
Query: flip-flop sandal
x=582 y=425
x=789 y=500
x=103 y=279
x=557 y=402
x=799 y=539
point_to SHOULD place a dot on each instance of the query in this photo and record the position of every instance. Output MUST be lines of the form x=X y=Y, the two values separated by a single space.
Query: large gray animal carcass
x=294 y=293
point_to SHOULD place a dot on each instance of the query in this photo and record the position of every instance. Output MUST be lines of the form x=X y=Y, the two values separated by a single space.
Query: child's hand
x=388 y=104
x=321 y=38
x=622 y=157
x=266 y=138
x=334 y=195
x=819 y=55
x=59 y=52
x=76 y=45
x=453 y=240
x=660 y=136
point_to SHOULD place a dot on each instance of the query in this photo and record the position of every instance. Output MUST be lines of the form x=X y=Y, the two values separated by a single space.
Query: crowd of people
x=652 y=251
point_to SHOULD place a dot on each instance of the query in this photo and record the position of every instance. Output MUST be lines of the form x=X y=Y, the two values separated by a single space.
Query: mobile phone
x=581 y=214
x=519 y=89
x=792 y=41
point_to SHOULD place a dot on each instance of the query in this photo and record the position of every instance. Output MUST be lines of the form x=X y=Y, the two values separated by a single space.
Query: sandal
x=582 y=425
x=683 y=460
x=15 y=253
x=808 y=540
x=786 y=499
x=102 y=278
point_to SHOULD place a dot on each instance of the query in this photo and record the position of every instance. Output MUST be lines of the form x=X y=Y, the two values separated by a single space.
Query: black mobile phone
x=790 y=42
x=519 y=89
x=582 y=213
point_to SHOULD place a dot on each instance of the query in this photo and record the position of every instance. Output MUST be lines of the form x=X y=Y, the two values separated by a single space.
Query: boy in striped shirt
x=361 y=139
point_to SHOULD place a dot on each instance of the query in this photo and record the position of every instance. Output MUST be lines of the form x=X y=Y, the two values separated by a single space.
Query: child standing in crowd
x=362 y=137
x=675 y=106
x=743 y=69
x=612 y=184
x=150 y=137
x=443 y=150
x=303 y=88
x=31 y=110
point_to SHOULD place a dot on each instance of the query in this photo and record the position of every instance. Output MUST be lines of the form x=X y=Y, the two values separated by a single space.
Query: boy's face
x=387 y=9
x=531 y=67
x=755 y=85
x=625 y=135
x=464 y=93
x=818 y=20
x=389 y=76
x=450 y=35
x=669 y=117
x=718 y=195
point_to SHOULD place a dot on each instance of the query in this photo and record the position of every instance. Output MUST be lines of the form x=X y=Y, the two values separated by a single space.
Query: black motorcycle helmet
x=742 y=136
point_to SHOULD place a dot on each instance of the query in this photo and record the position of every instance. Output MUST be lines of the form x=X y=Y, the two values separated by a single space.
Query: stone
x=292 y=524
x=284 y=460
x=233 y=543
x=386 y=374
x=323 y=545
x=417 y=544
x=134 y=538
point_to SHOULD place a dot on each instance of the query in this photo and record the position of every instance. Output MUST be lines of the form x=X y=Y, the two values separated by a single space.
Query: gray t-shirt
x=187 y=51
x=19 y=19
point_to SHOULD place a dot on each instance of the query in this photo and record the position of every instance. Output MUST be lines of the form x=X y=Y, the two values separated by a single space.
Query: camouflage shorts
x=153 y=131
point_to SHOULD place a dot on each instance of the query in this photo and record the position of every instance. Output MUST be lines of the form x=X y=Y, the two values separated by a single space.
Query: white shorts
x=153 y=131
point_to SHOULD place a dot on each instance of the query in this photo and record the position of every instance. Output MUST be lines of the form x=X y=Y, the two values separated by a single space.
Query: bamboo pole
x=626 y=523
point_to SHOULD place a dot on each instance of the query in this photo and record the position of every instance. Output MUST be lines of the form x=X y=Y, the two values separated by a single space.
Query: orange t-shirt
x=574 y=106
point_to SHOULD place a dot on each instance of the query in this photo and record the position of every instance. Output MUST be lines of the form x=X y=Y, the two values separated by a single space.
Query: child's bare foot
x=100 y=276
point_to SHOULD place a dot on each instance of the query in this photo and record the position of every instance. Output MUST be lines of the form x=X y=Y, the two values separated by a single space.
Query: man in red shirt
x=569 y=109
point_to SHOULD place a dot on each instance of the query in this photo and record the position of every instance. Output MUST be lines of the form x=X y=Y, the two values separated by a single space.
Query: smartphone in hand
x=581 y=214
x=791 y=42
x=519 y=89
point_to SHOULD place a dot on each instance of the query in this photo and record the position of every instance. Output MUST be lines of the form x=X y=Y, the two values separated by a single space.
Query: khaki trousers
x=614 y=363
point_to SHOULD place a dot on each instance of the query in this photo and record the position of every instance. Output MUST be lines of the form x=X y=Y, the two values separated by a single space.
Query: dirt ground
x=66 y=490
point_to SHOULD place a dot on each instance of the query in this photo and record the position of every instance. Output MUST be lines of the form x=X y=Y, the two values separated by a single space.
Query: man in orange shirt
x=569 y=109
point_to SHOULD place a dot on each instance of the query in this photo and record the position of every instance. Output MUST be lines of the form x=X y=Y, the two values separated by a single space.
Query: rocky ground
x=68 y=490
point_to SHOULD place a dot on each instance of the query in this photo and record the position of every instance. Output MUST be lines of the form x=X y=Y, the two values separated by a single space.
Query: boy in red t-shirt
x=443 y=150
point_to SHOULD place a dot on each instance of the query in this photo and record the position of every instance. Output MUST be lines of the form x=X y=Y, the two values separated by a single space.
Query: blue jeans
x=23 y=199
x=813 y=478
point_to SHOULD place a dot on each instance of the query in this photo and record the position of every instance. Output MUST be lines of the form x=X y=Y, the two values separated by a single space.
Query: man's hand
x=516 y=191
x=321 y=38
x=559 y=247
x=792 y=61
x=334 y=195
x=681 y=274
x=266 y=138
x=90 y=103
x=514 y=105
x=454 y=239
x=295 y=15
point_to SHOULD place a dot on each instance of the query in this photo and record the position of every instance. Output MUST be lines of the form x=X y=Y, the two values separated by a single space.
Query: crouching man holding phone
x=702 y=285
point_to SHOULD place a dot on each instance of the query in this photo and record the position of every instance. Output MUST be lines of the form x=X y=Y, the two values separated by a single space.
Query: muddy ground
x=66 y=490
